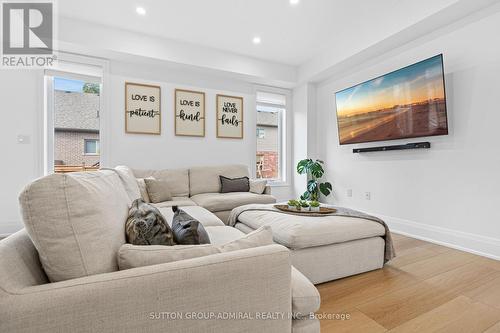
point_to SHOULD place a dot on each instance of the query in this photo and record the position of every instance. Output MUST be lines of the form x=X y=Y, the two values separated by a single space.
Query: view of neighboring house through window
x=76 y=125
x=270 y=136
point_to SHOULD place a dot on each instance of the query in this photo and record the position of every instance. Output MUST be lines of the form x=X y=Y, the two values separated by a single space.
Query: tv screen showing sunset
x=406 y=103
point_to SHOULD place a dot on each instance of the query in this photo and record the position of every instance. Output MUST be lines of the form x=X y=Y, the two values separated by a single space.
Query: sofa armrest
x=162 y=297
x=267 y=190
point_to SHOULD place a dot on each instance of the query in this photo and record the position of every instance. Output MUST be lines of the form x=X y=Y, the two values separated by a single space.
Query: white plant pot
x=292 y=207
x=314 y=209
x=304 y=209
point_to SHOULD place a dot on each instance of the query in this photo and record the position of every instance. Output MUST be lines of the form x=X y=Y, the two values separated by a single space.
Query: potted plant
x=314 y=206
x=292 y=204
x=304 y=206
x=314 y=171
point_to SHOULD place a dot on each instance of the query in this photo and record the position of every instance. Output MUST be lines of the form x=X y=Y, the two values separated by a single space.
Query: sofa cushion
x=260 y=237
x=208 y=219
x=176 y=201
x=298 y=232
x=206 y=179
x=178 y=179
x=227 y=185
x=131 y=256
x=76 y=221
x=158 y=190
x=216 y=202
x=305 y=296
x=222 y=235
x=129 y=182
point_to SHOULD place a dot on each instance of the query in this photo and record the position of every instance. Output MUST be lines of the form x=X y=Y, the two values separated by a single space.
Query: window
x=91 y=147
x=270 y=157
x=73 y=117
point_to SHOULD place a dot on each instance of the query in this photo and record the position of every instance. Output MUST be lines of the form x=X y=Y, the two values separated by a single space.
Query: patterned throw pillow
x=187 y=230
x=227 y=185
x=147 y=226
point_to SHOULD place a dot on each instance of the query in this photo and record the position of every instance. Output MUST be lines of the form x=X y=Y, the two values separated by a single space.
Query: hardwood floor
x=426 y=288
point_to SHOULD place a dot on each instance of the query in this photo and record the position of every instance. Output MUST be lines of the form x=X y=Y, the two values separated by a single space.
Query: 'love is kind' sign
x=189 y=113
x=229 y=117
x=142 y=109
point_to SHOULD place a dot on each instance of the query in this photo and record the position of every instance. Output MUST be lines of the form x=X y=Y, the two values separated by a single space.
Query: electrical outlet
x=23 y=139
x=368 y=195
x=349 y=193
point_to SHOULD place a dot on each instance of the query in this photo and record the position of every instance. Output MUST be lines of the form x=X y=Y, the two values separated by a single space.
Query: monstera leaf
x=303 y=166
x=317 y=169
x=312 y=186
x=325 y=188
x=305 y=196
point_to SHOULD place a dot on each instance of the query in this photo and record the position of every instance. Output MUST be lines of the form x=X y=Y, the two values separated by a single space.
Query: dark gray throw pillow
x=187 y=230
x=227 y=185
x=146 y=226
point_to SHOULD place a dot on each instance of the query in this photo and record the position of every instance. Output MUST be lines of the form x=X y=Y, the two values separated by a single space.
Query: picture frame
x=189 y=114
x=142 y=108
x=229 y=119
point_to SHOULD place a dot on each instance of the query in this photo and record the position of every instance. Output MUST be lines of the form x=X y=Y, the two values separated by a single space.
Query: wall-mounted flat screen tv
x=407 y=103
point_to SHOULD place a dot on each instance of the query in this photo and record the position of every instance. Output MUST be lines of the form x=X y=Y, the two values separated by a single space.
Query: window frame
x=73 y=66
x=98 y=147
x=284 y=149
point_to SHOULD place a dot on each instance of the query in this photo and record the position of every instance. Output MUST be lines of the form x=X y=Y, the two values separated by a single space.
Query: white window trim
x=45 y=143
x=285 y=140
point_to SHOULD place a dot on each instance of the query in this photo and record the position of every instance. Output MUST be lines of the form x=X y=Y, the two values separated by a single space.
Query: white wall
x=449 y=193
x=22 y=101
x=168 y=150
x=20 y=93
x=305 y=135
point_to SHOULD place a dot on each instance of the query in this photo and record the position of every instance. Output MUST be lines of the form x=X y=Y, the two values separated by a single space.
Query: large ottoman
x=323 y=248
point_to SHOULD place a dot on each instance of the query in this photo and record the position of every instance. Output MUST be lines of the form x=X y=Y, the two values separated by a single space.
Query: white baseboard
x=476 y=244
x=7 y=228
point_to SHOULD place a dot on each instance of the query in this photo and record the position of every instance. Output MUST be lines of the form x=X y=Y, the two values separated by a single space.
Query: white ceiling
x=290 y=34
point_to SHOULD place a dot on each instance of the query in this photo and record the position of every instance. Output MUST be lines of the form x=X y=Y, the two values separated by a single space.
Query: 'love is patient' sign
x=142 y=109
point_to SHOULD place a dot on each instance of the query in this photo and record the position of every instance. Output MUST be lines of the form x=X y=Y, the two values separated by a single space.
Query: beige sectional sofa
x=60 y=273
x=201 y=186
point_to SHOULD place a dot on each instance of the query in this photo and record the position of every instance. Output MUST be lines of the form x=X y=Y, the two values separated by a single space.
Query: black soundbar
x=416 y=145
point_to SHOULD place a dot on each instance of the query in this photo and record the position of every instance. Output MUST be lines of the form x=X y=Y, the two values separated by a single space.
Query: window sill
x=278 y=184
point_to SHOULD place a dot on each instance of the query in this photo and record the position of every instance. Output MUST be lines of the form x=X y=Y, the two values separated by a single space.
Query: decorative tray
x=322 y=210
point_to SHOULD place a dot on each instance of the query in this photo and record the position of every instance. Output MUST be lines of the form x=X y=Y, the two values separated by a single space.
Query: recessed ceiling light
x=294 y=2
x=140 y=11
x=256 y=40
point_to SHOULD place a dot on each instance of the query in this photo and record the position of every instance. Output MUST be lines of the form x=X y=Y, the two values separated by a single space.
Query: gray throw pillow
x=187 y=230
x=227 y=185
x=158 y=190
x=146 y=226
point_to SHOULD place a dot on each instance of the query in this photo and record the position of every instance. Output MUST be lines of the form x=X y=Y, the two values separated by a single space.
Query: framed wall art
x=229 y=117
x=142 y=108
x=189 y=113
